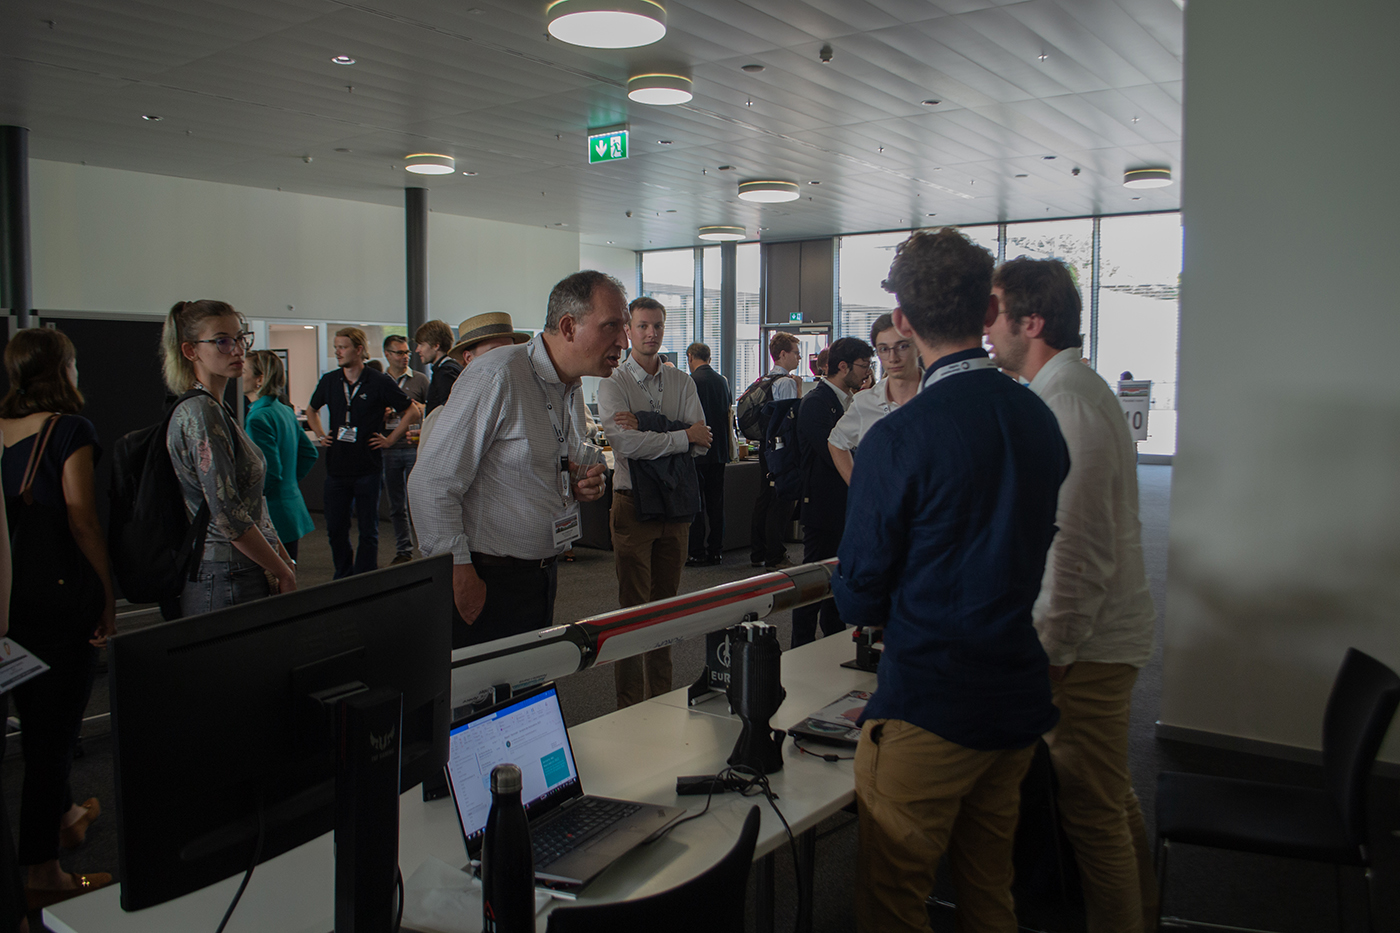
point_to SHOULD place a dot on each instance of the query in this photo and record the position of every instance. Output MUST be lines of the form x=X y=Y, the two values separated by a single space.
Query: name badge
x=566 y=527
x=347 y=434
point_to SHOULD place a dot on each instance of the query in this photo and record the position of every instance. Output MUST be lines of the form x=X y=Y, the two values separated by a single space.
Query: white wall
x=619 y=263
x=109 y=240
x=1285 y=523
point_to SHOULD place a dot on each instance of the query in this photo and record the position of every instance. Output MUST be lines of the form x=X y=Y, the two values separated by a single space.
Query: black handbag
x=57 y=596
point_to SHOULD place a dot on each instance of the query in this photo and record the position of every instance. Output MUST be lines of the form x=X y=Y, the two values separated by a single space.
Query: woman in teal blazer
x=272 y=424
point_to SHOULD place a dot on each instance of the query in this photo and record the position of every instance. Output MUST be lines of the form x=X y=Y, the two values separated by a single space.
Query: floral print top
x=217 y=462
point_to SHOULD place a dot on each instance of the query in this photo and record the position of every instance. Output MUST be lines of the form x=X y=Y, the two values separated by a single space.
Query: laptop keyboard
x=575 y=826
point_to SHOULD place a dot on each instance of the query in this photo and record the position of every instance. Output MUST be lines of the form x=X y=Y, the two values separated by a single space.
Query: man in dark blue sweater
x=954 y=498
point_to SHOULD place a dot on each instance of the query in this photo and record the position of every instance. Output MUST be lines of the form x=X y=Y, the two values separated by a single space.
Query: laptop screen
x=528 y=732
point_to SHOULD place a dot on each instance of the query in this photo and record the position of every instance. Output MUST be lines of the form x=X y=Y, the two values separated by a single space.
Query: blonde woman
x=204 y=346
x=290 y=455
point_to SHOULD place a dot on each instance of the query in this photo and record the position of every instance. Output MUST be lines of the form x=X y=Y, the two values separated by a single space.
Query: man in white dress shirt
x=900 y=362
x=497 y=483
x=1094 y=614
x=648 y=553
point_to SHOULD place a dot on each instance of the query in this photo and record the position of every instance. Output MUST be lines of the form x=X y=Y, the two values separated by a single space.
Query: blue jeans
x=222 y=583
x=361 y=493
x=398 y=463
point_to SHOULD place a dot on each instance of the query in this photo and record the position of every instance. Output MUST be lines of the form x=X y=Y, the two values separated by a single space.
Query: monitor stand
x=368 y=732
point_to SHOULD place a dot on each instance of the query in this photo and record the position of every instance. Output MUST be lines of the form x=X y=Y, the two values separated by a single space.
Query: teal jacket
x=290 y=456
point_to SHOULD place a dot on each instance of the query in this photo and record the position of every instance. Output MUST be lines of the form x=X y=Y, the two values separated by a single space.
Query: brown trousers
x=1098 y=807
x=649 y=557
x=920 y=796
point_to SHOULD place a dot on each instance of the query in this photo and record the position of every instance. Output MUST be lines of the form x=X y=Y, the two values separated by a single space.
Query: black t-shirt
x=71 y=433
x=368 y=399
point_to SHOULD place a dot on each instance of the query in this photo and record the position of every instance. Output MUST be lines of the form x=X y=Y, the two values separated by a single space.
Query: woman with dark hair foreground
x=65 y=609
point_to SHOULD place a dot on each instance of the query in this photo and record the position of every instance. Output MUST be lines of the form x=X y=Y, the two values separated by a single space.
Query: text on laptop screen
x=530 y=735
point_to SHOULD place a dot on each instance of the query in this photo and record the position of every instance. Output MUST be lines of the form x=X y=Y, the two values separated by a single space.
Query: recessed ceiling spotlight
x=1048 y=158
x=1153 y=177
x=1136 y=198
x=930 y=215
x=764 y=228
x=1022 y=176
x=660 y=89
x=670 y=210
x=342 y=59
x=753 y=69
x=151 y=117
x=749 y=102
x=610 y=242
x=767 y=191
x=343 y=150
x=814 y=183
x=931 y=102
x=308 y=326
x=1043 y=56
x=726 y=168
x=429 y=163
x=606 y=24
x=664 y=142
x=469 y=174
x=721 y=233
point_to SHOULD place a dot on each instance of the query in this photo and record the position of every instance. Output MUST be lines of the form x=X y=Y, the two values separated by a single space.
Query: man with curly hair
x=957 y=492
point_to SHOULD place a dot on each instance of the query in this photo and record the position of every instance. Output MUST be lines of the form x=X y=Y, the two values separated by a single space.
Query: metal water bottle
x=507 y=859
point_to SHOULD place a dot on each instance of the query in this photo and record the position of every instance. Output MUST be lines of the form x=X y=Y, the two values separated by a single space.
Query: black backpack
x=155 y=547
x=748 y=413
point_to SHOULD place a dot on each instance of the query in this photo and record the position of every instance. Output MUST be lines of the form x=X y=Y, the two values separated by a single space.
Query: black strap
x=36 y=456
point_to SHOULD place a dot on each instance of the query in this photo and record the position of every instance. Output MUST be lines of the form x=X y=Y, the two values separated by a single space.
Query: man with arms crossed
x=900 y=384
x=497 y=483
x=648 y=554
x=707 y=545
x=957 y=493
x=771 y=514
x=357 y=398
x=823 y=488
x=399 y=459
x=1094 y=614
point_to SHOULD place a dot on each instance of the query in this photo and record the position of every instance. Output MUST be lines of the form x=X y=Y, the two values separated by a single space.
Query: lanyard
x=350 y=396
x=641 y=384
x=955 y=369
x=559 y=423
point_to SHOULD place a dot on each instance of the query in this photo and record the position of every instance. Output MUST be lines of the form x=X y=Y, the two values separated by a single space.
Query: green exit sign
x=607 y=146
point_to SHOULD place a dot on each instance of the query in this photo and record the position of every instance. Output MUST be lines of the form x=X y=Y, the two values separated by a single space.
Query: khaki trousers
x=1098 y=807
x=920 y=796
x=649 y=557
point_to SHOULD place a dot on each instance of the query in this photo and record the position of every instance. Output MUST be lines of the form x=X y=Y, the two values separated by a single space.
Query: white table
x=635 y=753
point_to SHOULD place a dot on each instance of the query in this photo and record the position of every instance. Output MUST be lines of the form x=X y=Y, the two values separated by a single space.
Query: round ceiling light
x=606 y=24
x=768 y=191
x=429 y=163
x=342 y=59
x=659 y=89
x=721 y=232
x=1147 y=178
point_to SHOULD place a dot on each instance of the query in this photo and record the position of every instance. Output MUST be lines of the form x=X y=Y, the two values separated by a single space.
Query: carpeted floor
x=1277 y=894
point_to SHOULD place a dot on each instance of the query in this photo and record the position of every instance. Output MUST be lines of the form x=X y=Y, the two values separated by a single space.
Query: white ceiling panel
x=247 y=93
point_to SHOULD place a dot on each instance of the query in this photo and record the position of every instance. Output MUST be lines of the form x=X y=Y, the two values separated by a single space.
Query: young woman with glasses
x=204 y=344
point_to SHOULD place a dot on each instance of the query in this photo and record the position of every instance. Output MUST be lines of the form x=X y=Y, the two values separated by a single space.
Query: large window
x=1070 y=241
x=1139 y=273
x=750 y=356
x=669 y=277
x=712 y=277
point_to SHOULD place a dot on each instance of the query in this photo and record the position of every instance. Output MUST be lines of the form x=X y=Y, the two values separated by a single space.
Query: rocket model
x=521 y=661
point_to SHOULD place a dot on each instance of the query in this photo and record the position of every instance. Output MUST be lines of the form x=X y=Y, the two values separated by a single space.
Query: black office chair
x=1326 y=825
x=711 y=901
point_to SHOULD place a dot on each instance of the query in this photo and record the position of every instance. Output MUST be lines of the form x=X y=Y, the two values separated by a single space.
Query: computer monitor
x=216 y=728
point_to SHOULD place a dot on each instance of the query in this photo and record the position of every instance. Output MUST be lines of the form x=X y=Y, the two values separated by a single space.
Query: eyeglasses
x=901 y=348
x=397 y=352
x=225 y=345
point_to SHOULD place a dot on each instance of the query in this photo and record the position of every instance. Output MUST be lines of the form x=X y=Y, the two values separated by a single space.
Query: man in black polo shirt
x=956 y=494
x=357 y=397
x=823 y=488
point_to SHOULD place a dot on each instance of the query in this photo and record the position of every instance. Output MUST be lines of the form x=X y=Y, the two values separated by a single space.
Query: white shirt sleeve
x=847 y=433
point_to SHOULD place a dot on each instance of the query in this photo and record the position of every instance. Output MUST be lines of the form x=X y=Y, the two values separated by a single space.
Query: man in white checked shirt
x=497 y=484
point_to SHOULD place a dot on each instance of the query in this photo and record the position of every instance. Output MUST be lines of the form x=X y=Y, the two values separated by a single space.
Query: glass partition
x=712 y=278
x=750 y=357
x=669 y=277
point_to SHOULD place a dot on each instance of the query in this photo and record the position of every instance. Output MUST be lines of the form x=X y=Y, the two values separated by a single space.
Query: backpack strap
x=36 y=456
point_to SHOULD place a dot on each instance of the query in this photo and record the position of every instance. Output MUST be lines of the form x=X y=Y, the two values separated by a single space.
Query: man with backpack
x=772 y=510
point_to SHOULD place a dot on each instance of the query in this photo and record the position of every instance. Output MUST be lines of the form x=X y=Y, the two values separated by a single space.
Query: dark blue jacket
x=823 y=489
x=950 y=514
